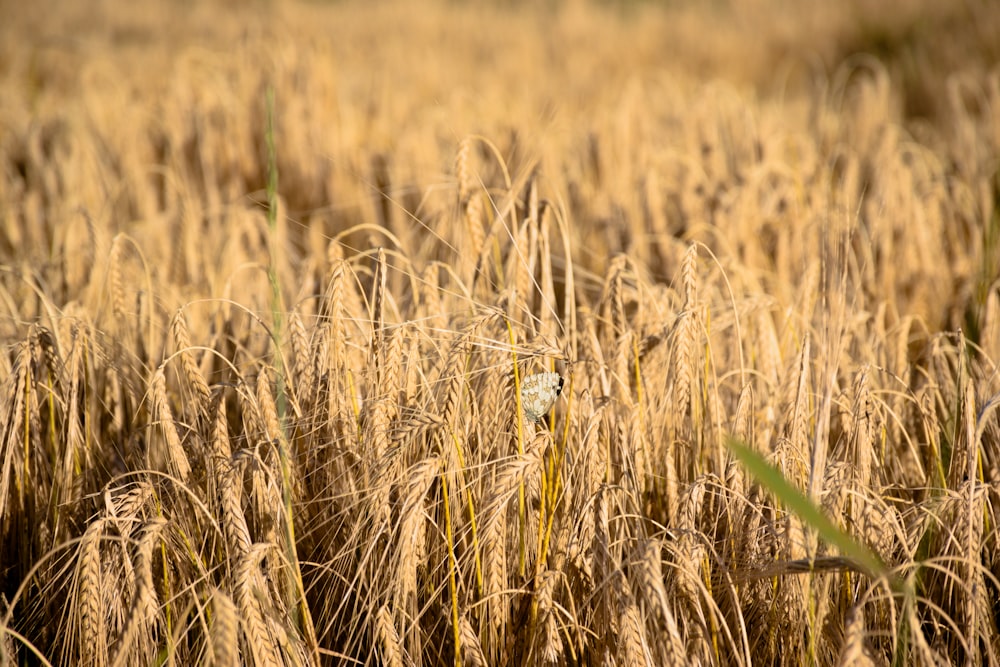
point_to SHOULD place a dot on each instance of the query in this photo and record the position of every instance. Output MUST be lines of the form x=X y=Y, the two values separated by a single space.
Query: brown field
x=272 y=276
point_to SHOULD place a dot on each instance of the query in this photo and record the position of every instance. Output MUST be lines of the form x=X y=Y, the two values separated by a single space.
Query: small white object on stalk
x=538 y=393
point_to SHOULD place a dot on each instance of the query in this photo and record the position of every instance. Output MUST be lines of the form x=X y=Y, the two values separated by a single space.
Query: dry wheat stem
x=692 y=251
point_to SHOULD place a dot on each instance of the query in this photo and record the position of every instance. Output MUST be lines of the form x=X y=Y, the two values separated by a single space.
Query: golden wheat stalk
x=89 y=595
x=224 y=631
x=194 y=380
x=263 y=646
x=144 y=604
x=392 y=653
x=177 y=461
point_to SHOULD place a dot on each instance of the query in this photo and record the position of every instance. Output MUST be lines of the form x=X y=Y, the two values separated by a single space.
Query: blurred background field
x=768 y=219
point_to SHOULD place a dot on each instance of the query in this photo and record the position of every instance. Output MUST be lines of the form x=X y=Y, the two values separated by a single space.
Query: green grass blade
x=796 y=502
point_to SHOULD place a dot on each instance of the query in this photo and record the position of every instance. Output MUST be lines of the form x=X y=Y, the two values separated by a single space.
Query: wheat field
x=279 y=282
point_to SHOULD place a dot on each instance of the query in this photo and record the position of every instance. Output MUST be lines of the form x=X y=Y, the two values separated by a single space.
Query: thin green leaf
x=796 y=502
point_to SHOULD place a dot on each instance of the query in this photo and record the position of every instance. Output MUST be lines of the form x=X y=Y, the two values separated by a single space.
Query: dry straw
x=346 y=479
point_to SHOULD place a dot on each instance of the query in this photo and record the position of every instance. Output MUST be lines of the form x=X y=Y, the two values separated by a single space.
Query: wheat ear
x=177 y=461
x=89 y=594
x=224 y=631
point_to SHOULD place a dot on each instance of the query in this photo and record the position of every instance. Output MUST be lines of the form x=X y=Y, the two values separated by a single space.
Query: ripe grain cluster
x=275 y=287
